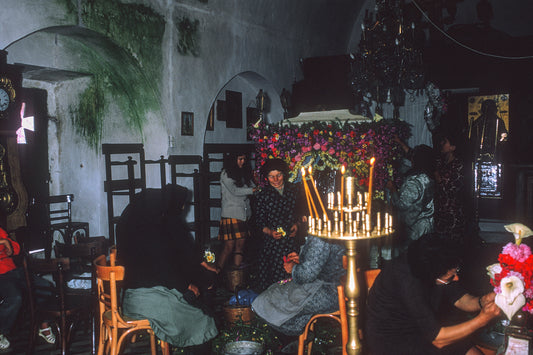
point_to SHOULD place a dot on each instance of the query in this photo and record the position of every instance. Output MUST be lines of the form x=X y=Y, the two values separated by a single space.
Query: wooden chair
x=81 y=256
x=64 y=310
x=339 y=316
x=114 y=327
x=60 y=216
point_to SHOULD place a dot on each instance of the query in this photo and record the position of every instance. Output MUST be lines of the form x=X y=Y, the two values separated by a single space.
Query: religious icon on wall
x=488 y=120
x=187 y=124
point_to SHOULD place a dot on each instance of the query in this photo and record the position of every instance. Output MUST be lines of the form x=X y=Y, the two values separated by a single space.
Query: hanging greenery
x=88 y=118
x=188 y=36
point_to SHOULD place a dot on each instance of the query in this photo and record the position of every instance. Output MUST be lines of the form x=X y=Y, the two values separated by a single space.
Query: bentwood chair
x=340 y=316
x=115 y=328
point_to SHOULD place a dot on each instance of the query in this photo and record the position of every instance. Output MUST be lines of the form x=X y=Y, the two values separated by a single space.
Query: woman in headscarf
x=278 y=215
x=164 y=270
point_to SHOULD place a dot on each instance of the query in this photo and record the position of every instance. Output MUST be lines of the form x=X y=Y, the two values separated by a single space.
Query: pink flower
x=518 y=252
x=331 y=151
x=316 y=146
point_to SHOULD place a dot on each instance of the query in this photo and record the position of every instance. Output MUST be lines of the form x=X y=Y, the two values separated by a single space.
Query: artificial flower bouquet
x=512 y=276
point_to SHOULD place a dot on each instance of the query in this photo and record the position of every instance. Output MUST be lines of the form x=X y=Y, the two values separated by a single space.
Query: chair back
x=56 y=305
x=60 y=209
x=107 y=277
x=370 y=277
x=82 y=277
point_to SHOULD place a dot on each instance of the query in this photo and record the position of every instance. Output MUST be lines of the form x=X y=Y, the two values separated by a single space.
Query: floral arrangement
x=209 y=256
x=333 y=144
x=512 y=277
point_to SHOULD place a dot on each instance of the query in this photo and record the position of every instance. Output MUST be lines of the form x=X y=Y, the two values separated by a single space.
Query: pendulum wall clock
x=13 y=197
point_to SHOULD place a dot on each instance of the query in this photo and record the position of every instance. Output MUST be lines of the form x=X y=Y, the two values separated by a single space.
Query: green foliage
x=257 y=331
x=136 y=28
x=188 y=36
x=88 y=118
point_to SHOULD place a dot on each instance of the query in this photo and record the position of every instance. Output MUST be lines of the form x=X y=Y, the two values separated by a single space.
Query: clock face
x=4 y=100
x=7 y=96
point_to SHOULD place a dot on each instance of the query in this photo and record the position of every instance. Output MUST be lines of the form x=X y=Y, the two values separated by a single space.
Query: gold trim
x=7 y=85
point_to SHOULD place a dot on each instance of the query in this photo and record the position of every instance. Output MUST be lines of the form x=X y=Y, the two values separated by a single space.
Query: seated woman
x=404 y=304
x=316 y=271
x=164 y=271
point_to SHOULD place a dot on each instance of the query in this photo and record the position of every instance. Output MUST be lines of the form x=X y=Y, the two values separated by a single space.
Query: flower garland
x=333 y=144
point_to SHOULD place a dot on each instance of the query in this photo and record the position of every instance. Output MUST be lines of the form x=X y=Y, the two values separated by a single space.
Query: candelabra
x=348 y=221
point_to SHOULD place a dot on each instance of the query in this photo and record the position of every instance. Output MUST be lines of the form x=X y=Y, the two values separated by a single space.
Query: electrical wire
x=464 y=45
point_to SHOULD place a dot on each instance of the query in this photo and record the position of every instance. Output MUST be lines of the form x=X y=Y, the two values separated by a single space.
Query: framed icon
x=187 y=124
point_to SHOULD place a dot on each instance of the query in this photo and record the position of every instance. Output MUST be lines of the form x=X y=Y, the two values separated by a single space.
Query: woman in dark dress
x=165 y=271
x=278 y=213
x=450 y=192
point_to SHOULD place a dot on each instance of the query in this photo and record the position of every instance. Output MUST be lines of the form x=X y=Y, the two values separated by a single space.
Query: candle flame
x=310 y=170
x=303 y=172
x=342 y=169
x=372 y=161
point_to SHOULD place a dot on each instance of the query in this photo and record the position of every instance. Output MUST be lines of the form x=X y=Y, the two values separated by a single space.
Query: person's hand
x=490 y=309
x=276 y=234
x=294 y=230
x=7 y=247
x=289 y=261
x=210 y=267
x=194 y=290
x=489 y=297
x=294 y=257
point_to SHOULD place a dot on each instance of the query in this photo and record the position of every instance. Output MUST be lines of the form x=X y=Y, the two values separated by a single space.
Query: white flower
x=494 y=269
x=511 y=300
x=519 y=231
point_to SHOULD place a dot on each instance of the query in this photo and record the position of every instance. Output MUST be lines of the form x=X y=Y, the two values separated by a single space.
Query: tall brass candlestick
x=370 y=178
x=352 y=293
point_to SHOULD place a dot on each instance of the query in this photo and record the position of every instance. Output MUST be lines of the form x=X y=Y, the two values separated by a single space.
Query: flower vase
x=517 y=336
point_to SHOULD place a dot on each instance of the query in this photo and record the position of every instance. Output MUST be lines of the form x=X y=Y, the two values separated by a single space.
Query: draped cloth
x=171 y=317
x=282 y=301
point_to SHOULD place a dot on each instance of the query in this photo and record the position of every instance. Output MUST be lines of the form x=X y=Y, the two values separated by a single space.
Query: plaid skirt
x=232 y=228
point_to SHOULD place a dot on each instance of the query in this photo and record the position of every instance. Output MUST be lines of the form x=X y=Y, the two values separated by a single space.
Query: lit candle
x=378 y=221
x=317 y=194
x=359 y=199
x=339 y=200
x=309 y=198
x=342 y=186
x=349 y=190
x=370 y=178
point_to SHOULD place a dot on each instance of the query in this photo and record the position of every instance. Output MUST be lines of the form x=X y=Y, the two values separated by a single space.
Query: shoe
x=4 y=343
x=50 y=338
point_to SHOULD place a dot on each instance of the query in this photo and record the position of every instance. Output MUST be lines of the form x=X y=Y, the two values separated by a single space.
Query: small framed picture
x=187 y=124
